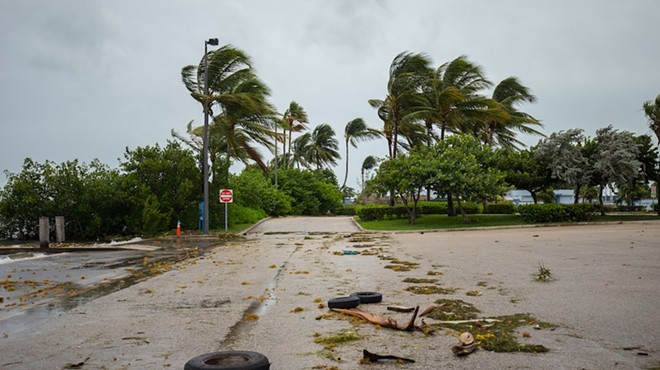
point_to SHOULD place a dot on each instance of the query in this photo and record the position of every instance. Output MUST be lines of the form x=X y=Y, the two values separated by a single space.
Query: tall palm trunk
x=284 y=149
x=346 y=173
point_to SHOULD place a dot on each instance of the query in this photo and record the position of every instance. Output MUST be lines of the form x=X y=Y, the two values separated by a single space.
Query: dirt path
x=263 y=294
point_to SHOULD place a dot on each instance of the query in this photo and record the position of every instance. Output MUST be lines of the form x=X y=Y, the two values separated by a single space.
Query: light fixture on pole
x=205 y=150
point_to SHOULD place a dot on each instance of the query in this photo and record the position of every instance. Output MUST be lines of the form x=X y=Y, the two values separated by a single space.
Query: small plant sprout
x=544 y=273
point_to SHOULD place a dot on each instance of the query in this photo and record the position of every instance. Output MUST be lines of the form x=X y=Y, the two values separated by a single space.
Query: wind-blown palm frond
x=510 y=93
x=318 y=148
x=295 y=120
x=407 y=73
x=324 y=146
x=302 y=155
x=244 y=114
x=369 y=163
x=452 y=100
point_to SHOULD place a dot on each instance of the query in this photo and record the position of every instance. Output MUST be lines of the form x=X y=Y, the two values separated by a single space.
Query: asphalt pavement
x=268 y=293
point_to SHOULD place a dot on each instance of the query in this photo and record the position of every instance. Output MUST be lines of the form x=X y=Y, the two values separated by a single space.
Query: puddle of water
x=84 y=277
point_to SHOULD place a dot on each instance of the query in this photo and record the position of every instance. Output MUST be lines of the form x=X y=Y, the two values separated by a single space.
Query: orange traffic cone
x=178 y=228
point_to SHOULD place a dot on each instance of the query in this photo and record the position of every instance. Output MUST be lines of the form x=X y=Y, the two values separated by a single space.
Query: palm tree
x=294 y=120
x=509 y=93
x=407 y=71
x=240 y=126
x=241 y=99
x=452 y=100
x=369 y=163
x=318 y=148
x=354 y=132
x=652 y=111
x=301 y=150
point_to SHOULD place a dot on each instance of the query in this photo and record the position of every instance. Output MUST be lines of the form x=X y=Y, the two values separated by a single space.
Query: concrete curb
x=250 y=228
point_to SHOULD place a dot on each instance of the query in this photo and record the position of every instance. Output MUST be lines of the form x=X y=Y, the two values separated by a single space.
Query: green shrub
x=545 y=213
x=580 y=212
x=470 y=208
x=398 y=211
x=375 y=212
x=441 y=208
x=371 y=212
x=348 y=210
x=238 y=214
x=309 y=192
x=501 y=208
x=608 y=208
x=432 y=208
x=656 y=207
x=542 y=213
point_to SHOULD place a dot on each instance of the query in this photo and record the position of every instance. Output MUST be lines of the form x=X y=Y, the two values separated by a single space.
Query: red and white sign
x=226 y=196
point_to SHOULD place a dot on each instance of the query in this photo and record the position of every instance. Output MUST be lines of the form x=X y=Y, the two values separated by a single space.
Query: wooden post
x=44 y=232
x=59 y=229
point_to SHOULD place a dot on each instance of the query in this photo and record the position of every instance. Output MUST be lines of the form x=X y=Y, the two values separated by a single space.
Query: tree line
x=447 y=135
x=462 y=166
x=443 y=132
x=153 y=189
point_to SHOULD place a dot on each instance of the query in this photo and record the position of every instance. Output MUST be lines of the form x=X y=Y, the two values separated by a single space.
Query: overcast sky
x=84 y=79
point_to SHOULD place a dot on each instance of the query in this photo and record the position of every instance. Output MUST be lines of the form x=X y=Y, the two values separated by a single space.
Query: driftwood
x=389 y=322
x=386 y=322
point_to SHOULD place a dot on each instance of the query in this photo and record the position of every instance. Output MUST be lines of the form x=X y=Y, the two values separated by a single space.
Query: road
x=266 y=293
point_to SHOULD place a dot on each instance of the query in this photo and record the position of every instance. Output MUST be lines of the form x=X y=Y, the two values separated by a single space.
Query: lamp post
x=205 y=150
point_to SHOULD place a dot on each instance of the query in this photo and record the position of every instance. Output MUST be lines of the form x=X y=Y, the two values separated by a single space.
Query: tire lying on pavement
x=344 y=302
x=229 y=360
x=368 y=297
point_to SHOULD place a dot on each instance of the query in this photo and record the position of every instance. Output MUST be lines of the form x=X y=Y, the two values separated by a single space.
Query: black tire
x=368 y=297
x=344 y=302
x=229 y=360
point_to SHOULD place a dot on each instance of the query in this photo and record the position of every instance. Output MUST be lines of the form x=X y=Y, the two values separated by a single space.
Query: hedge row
x=441 y=208
x=545 y=213
x=623 y=208
x=374 y=212
x=501 y=209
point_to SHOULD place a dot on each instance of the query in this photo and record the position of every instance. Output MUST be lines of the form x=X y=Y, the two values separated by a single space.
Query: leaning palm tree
x=369 y=163
x=652 y=111
x=453 y=101
x=295 y=120
x=301 y=151
x=354 y=132
x=239 y=96
x=407 y=72
x=242 y=126
x=452 y=98
x=509 y=93
x=318 y=148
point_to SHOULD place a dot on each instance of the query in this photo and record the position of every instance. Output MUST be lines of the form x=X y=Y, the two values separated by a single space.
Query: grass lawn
x=431 y=222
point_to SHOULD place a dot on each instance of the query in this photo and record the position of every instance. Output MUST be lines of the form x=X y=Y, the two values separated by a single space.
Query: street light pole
x=205 y=150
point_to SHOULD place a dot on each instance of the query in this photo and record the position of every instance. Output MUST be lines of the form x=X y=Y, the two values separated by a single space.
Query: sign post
x=226 y=196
